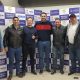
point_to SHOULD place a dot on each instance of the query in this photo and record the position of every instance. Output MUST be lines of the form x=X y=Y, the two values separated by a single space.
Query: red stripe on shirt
x=43 y=27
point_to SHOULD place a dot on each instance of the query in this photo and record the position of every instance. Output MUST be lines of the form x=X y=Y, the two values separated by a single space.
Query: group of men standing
x=20 y=41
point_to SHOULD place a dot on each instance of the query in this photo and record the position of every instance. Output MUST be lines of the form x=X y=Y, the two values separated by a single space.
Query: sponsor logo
x=3 y=61
x=54 y=12
x=2 y=22
x=73 y=10
x=1 y=8
x=20 y=10
x=2 y=15
x=37 y=12
x=9 y=15
x=64 y=17
x=3 y=74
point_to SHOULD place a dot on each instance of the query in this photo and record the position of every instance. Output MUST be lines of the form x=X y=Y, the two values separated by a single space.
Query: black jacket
x=59 y=35
x=13 y=37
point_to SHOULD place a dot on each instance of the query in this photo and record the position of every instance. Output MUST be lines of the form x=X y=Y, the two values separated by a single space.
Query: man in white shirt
x=73 y=38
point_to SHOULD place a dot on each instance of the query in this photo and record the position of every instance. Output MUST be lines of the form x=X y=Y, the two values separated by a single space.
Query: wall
x=14 y=3
x=10 y=3
x=48 y=8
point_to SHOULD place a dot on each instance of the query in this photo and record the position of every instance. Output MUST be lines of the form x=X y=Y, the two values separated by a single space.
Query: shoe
x=48 y=70
x=33 y=72
x=70 y=73
x=53 y=72
x=26 y=70
x=20 y=75
x=23 y=74
x=62 y=72
x=41 y=71
x=10 y=77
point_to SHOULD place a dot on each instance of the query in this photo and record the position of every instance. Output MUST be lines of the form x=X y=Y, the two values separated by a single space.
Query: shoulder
x=24 y=27
x=8 y=28
x=63 y=27
x=38 y=22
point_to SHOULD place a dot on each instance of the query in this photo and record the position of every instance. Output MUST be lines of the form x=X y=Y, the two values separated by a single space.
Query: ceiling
x=33 y=3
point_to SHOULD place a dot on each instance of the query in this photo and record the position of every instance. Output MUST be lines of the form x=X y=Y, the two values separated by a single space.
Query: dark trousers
x=28 y=50
x=74 y=53
x=58 y=52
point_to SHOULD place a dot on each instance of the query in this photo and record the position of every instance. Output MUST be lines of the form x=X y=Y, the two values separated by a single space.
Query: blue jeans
x=74 y=54
x=44 y=48
x=14 y=53
x=58 y=52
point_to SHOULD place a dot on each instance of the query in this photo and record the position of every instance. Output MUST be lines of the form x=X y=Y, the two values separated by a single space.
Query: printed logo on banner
x=2 y=55
x=9 y=15
x=21 y=16
x=2 y=22
x=1 y=8
x=37 y=12
x=64 y=22
x=22 y=22
x=32 y=16
x=66 y=62
x=2 y=16
x=64 y=11
x=54 y=12
x=3 y=68
x=29 y=11
x=52 y=18
x=37 y=17
x=20 y=10
x=64 y=17
x=9 y=9
x=73 y=10
x=3 y=61
x=8 y=22
x=3 y=74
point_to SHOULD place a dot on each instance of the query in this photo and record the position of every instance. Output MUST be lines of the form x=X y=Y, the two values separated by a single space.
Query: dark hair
x=29 y=18
x=57 y=19
x=43 y=13
x=15 y=17
x=72 y=15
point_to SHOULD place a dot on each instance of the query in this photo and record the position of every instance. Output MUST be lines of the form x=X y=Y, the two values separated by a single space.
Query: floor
x=48 y=76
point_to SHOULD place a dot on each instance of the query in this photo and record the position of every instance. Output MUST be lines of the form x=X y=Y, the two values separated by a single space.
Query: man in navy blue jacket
x=44 y=30
x=29 y=36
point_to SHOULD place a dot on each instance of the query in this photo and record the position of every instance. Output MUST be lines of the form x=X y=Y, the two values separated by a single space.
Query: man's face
x=57 y=23
x=73 y=20
x=29 y=21
x=16 y=21
x=43 y=17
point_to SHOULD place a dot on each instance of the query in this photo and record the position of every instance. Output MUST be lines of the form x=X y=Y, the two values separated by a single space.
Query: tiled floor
x=48 y=76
